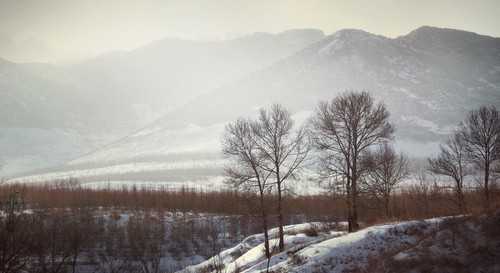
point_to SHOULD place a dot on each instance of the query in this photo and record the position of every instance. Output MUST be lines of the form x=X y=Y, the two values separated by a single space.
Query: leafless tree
x=481 y=133
x=52 y=248
x=16 y=235
x=111 y=255
x=385 y=170
x=217 y=261
x=451 y=162
x=342 y=130
x=146 y=236
x=283 y=151
x=240 y=146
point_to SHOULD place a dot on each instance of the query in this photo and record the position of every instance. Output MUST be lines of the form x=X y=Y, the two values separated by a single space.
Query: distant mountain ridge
x=428 y=79
x=87 y=104
x=427 y=91
x=353 y=59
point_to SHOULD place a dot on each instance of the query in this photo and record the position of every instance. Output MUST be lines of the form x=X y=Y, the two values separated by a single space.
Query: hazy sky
x=61 y=30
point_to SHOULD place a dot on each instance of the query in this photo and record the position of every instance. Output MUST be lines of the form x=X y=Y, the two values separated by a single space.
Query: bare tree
x=385 y=170
x=240 y=146
x=342 y=130
x=451 y=162
x=283 y=151
x=481 y=133
x=51 y=250
x=16 y=235
x=112 y=254
x=146 y=237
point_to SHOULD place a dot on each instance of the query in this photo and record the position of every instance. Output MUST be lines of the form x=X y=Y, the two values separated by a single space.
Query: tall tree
x=481 y=133
x=282 y=149
x=451 y=162
x=240 y=146
x=385 y=170
x=343 y=129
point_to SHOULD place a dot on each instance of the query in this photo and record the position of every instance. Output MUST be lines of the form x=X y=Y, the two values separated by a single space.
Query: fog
x=119 y=83
x=333 y=129
x=67 y=31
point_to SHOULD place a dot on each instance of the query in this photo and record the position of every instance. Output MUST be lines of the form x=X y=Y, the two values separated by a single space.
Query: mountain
x=40 y=120
x=428 y=79
x=53 y=113
x=166 y=74
x=436 y=85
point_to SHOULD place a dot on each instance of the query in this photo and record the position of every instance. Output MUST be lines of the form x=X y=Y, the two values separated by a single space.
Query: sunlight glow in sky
x=60 y=30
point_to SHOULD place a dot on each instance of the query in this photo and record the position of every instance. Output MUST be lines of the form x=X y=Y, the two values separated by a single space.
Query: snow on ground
x=249 y=254
x=158 y=141
x=207 y=184
x=203 y=174
x=353 y=251
x=127 y=168
x=333 y=251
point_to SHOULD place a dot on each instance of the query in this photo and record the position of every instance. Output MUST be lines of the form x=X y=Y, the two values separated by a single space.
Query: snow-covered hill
x=433 y=245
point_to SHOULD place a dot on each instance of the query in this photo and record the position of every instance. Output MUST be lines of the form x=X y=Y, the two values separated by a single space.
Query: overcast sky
x=62 y=30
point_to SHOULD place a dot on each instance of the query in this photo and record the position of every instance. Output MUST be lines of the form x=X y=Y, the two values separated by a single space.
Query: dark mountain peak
x=352 y=33
x=287 y=36
x=349 y=39
x=438 y=31
x=447 y=39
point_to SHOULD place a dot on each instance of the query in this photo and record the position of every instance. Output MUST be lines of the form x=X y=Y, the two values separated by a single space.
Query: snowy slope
x=434 y=245
x=250 y=252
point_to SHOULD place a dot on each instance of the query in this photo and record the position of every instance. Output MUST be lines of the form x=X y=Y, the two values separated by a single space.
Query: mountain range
x=428 y=79
x=53 y=113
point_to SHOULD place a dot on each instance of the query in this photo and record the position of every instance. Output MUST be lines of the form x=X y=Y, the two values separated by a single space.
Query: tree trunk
x=280 y=221
x=460 y=199
x=349 y=205
x=486 y=186
x=354 y=192
x=386 y=206
x=264 y=226
x=73 y=263
x=354 y=217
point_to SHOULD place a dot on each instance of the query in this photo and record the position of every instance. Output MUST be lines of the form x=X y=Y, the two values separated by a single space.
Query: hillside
x=463 y=244
x=54 y=113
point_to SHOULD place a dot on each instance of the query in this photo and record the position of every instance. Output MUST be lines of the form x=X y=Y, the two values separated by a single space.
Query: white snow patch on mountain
x=213 y=183
x=129 y=168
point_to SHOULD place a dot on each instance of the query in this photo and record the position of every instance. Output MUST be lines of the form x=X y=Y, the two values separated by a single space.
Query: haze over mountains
x=428 y=79
x=54 y=113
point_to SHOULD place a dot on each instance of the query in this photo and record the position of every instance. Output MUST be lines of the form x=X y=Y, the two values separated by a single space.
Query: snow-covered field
x=208 y=184
x=121 y=169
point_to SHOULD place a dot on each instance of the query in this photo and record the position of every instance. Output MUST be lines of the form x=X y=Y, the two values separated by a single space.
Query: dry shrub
x=297 y=259
x=411 y=202
x=312 y=231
